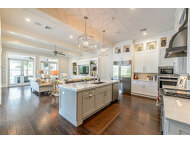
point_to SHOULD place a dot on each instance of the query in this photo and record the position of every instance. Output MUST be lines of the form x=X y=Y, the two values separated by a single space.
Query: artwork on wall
x=117 y=50
x=151 y=45
x=163 y=42
x=126 y=48
x=139 y=47
x=182 y=80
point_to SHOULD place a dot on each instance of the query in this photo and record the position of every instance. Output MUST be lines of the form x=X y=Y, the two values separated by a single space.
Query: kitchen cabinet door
x=137 y=86
x=151 y=61
x=99 y=100
x=139 y=62
x=88 y=102
x=107 y=97
x=150 y=88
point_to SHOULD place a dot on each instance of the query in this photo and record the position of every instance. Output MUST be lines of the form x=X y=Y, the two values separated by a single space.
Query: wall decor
x=163 y=42
x=182 y=80
x=126 y=48
x=139 y=47
x=151 y=45
x=117 y=50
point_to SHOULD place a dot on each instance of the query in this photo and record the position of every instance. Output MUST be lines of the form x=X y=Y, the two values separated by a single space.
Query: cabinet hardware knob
x=90 y=95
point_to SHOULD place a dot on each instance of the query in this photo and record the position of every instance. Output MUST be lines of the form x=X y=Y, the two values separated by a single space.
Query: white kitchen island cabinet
x=78 y=101
x=175 y=116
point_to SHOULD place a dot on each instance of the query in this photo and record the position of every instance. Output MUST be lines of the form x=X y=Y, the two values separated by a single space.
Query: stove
x=176 y=93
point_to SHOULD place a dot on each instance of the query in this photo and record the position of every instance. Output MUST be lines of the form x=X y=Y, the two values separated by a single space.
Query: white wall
x=105 y=64
x=0 y=54
x=63 y=61
x=188 y=45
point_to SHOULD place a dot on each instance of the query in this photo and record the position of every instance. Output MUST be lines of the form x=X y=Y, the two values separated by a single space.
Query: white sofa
x=40 y=85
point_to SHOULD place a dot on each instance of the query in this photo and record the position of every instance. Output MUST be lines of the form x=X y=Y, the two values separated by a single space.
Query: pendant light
x=84 y=40
x=103 y=51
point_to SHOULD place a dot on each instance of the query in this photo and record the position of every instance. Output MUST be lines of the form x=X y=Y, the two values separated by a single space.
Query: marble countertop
x=80 y=86
x=177 y=109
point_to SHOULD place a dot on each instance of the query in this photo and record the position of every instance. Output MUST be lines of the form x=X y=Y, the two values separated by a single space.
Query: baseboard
x=143 y=95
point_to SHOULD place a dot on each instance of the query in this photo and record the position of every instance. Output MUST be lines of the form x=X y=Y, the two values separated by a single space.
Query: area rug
x=99 y=122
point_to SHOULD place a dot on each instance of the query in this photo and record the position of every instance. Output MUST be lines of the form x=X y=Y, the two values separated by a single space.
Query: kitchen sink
x=98 y=82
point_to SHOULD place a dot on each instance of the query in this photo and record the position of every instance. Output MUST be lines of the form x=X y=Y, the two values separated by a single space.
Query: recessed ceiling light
x=95 y=46
x=144 y=33
x=27 y=19
x=71 y=37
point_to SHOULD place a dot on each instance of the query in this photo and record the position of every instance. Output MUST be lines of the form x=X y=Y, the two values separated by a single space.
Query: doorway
x=20 y=71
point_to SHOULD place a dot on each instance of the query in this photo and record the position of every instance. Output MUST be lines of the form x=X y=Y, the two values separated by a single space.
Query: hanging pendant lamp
x=84 y=40
x=103 y=51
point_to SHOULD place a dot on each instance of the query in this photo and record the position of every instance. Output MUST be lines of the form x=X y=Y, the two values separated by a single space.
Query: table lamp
x=54 y=73
x=40 y=72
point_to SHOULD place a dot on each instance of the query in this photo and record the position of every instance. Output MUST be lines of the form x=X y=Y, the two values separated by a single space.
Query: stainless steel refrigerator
x=122 y=72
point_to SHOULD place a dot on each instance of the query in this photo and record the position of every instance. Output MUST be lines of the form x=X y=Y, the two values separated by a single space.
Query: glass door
x=28 y=71
x=15 y=73
x=20 y=71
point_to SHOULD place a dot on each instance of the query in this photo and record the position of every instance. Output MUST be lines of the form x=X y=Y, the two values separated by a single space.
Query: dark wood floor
x=23 y=112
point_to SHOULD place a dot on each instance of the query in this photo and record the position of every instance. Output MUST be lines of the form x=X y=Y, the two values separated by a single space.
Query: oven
x=171 y=81
x=165 y=71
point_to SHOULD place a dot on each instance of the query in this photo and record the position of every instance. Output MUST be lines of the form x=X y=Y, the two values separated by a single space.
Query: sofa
x=41 y=85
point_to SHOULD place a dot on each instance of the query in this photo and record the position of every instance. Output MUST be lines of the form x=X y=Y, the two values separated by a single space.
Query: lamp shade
x=40 y=71
x=54 y=72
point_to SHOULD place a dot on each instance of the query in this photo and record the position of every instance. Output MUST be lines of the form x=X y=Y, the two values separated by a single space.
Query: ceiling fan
x=57 y=52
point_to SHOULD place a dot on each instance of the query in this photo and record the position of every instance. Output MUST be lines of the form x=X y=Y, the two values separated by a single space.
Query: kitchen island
x=175 y=110
x=78 y=101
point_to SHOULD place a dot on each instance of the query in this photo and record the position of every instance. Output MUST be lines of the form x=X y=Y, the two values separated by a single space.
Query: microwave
x=165 y=71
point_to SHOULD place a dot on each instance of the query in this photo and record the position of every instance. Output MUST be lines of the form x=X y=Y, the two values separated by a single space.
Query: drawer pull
x=90 y=95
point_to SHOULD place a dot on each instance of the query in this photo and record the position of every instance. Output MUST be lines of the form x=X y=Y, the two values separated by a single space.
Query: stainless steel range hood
x=178 y=43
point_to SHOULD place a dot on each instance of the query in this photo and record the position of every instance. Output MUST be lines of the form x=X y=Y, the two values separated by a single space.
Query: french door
x=20 y=72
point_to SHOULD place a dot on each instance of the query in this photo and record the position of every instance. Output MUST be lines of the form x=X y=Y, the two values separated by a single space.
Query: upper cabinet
x=122 y=51
x=146 y=58
x=146 y=62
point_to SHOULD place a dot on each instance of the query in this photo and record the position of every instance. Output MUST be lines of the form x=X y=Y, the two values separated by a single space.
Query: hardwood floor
x=25 y=113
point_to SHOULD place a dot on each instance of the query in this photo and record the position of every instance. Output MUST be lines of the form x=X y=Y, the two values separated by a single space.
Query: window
x=47 y=64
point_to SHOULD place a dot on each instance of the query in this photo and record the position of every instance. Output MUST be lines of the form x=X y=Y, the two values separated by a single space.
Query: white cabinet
x=147 y=88
x=88 y=102
x=137 y=86
x=172 y=127
x=95 y=99
x=151 y=61
x=146 y=61
x=139 y=62
x=107 y=97
x=99 y=100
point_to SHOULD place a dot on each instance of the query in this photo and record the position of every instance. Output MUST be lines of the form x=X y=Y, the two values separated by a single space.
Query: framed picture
x=182 y=80
x=151 y=45
x=139 y=47
x=126 y=48
x=117 y=50
x=163 y=42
